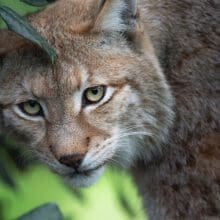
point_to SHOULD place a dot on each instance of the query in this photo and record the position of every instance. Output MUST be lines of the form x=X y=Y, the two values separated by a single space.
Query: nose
x=73 y=160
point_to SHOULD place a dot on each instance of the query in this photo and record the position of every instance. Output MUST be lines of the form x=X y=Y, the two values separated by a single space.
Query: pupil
x=95 y=91
x=32 y=103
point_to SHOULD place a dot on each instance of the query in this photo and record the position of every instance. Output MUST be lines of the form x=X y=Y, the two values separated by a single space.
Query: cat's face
x=101 y=102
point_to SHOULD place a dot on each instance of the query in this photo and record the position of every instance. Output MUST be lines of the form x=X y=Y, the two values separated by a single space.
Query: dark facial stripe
x=111 y=98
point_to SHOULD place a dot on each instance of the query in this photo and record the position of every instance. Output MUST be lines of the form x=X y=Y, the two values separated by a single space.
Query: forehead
x=82 y=61
x=74 y=72
x=60 y=80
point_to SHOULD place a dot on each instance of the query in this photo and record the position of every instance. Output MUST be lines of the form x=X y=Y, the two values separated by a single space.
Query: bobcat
x=135 y=84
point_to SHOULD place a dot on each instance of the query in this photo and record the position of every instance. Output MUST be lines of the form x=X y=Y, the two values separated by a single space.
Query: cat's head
x=104 y=100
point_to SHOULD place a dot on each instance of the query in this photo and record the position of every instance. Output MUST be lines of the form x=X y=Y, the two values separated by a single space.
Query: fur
x=160 y=114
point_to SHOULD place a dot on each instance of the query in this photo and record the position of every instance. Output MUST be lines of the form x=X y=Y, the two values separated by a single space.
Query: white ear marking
x=116 y=15
x=134 y=7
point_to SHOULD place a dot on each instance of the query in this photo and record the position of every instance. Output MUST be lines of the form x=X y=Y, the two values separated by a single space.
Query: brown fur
x=177 y=172
x=184 y=182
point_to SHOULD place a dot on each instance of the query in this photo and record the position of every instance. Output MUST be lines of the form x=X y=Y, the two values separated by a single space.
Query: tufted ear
x=116 y=15
x=9 y=42
x=123 y=16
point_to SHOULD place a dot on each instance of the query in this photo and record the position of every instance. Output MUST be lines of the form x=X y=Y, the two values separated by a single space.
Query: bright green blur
x=112 y=198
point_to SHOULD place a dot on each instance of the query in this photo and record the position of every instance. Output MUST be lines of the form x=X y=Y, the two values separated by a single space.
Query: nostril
x=88 y=140
x=73 y=161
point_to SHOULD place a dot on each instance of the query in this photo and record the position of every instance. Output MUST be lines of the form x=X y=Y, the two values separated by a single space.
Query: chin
x=84 y=179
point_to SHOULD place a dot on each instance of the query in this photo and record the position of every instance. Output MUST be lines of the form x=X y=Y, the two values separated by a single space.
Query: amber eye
x=94 y=94
x=31 y=108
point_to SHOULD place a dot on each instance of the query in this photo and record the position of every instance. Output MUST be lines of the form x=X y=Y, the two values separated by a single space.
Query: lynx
x=136 y=85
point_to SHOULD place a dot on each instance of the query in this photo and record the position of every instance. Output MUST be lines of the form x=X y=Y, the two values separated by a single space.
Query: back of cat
x=184 y=183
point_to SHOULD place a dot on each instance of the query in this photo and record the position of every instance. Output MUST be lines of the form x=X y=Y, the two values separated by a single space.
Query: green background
x=113 y=197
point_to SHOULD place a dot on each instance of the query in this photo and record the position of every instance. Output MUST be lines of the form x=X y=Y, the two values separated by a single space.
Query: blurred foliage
x=38 y=3
x=20 y=7
x=25 y=184
x=48 y=211
x=113 y=197
x=22 y=27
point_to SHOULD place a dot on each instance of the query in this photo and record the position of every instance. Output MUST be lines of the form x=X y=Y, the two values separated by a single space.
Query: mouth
x=84 y=177
x=85 y=173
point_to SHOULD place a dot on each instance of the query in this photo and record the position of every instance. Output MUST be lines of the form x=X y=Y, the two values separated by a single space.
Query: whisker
x=132 y=127
x=141 y=133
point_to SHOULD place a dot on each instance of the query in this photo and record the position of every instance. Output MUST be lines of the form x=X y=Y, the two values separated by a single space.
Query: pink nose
x=73 y=160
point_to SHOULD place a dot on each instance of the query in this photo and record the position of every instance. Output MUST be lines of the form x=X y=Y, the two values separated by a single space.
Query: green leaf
x=48 y=212
x=21 y=26
x=5 y=176
x=38 y=3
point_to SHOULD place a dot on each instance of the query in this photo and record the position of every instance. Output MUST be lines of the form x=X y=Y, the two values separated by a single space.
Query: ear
x=123 y=16
x=9 y=42
x=116 y=15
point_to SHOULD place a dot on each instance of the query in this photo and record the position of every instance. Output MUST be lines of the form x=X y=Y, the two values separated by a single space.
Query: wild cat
x=136 y=84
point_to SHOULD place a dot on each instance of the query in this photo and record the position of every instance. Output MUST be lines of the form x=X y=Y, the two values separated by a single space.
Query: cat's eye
x=31 y=108
x=94 y=94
